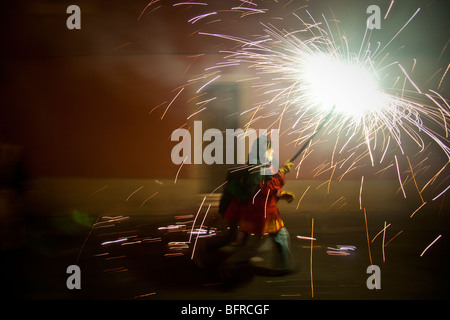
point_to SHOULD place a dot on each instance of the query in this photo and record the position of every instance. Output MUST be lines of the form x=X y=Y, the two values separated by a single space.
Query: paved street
x=136 y=256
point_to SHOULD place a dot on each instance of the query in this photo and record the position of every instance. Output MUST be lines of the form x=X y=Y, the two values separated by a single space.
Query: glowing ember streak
x=145 y=295
x=306 y=238
x=360 y=193
x=367 y=234
x=338 y=253
x=382 y=230
x=423 y=252
x=265 y=204
x=196 y=216
x=440 y=194
x=148 y=5
x=342 y=198
x=399 y=177
x=101 y=254
x=341 y=250
x=149 y=198
x=209 y=82
x=435 y=176
x=331 y=177
x=382 y=244
x=179 y=169
x=399 y=31
x=186 y=216
x=250 y=9
x=84 y=242
x=101 y=189
x=119 y=269
x=407 y=76
x=201 y=226
x=400 y=232
x=253 y=200
x=114 y=241
x=388 y=10
x=133 y=193
x=195 y=19
x=415 y=182
x=298 y=204
x=189 y=3
x=117 y=257
x=204 y=108
x=443 y=76
x=310 y=258
x=386 y=149
x=175 y=254
x=417 y=209
x=167 y=108
x=218 y=188
x=172 y=227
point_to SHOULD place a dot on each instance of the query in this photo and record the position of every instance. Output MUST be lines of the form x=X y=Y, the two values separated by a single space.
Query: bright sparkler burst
x=309 y=75
x=305 y=75
x=302 y=72
x=348 y=86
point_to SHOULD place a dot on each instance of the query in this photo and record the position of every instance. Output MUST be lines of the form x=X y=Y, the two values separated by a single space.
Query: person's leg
x=222 y=240
x=283 y=255
x=266 y=245
x=232 y=267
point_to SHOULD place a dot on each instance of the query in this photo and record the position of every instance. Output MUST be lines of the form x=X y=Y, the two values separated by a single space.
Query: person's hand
x=286 y=167
x=287 y=196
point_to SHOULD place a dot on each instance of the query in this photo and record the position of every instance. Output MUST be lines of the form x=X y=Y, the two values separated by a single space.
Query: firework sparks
x=424 y=203
x=360 y=193
x=145 y=201
x=306 y=72
x=382 y=231
x=198 y=233
x=367 y=235
x=440 y=194
x=168 y=106
x=399 y=177
x=383 y=243
x=306 y=238
x=310 y=258
x=301 y=71
x=399 y=233
x=428 y=247
x=388 y=10
x=134 y=192
x=296 y=74
x=145 y=295
x=303 y=195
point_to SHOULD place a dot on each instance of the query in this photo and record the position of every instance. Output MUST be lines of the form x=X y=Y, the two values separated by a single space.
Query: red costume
x=259 y=215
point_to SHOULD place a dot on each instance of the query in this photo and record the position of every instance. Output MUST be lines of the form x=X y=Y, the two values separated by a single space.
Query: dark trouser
x=283 y=258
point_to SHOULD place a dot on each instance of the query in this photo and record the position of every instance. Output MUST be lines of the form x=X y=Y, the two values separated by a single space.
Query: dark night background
x=79 y=100
x=84 y=107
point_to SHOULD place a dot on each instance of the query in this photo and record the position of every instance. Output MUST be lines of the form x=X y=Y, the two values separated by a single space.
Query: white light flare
x=350 y=87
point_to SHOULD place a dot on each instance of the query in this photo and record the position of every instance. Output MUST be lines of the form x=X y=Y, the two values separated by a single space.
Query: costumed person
x=240 y=186
x=258 y=216
x=235 y=193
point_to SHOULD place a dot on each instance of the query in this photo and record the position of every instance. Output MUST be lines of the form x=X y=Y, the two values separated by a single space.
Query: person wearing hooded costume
x=252 y=205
